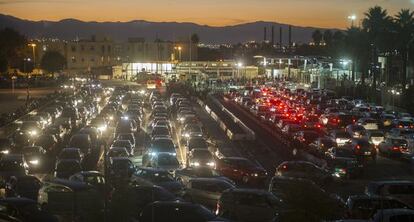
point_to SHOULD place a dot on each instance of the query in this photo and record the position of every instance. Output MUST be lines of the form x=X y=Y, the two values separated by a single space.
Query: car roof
x=152 y=169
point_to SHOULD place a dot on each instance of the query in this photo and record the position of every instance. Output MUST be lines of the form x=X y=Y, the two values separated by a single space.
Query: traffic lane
x=384 y=168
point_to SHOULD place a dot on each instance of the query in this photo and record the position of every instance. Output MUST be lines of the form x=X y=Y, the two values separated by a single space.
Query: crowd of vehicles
x=127 y=154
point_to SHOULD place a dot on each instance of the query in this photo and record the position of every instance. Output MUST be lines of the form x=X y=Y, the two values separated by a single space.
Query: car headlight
x=111 y=118
x=102 y=128
x=152 y=153
x=211 y=164
x=32 y=132
x=34 y=162
x=196 y=164
x=5 y=151
x=186 y=135
x=142 y=92
x=125 y=117
x=254 y=174
x=182 y=119
x=174 y=154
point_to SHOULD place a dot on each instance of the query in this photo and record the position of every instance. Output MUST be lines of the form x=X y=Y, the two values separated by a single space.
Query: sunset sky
x=317 y=13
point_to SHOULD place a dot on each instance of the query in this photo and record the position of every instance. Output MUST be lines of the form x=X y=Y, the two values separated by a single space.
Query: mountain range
x=69 y=29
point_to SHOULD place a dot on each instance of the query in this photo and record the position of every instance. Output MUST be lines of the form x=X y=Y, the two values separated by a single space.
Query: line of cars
x=343 y=133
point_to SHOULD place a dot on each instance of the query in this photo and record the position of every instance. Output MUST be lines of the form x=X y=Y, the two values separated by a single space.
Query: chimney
x=273 y=36
x=265 y=34
x=280 y=37
x=290 y=36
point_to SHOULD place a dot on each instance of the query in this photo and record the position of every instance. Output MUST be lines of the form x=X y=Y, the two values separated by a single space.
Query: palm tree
x=404 y=22
x=317 y=37
x=377 y=24
x=357 y=48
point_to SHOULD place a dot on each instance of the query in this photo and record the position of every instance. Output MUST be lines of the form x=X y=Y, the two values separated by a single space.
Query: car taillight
x=395 y=148
x=358 y=147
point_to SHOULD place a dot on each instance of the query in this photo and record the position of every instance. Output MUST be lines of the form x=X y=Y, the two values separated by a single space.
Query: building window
x=73 y=48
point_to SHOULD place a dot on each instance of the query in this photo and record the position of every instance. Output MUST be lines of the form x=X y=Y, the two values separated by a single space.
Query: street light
x=352 y=18
x=33 y=45
x=27 y=79
x=179 y=48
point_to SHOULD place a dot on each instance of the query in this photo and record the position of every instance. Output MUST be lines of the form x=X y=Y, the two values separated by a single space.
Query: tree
x=194 y=38
x=377 y=24
x=404 y=22
x=317 y=37
x=11 y=48
x=327 y=37
x=52 y=61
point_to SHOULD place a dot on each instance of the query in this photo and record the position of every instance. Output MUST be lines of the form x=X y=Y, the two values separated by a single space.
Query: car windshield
x=377 y=134
x=203 y=154
x=69 y=154
x=197 y=143
x=163 y=145
x=161 y=131
x=68 y=166
x=166 y=160
x=121 y=143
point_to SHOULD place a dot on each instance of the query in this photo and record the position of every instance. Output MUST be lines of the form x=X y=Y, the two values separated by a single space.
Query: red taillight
x=400 y=126
x=217 y=208
x=284 y=167
x=395 y=148
x=358 y=147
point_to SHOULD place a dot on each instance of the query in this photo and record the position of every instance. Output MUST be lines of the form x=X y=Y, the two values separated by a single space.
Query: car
x=361 y=148
x=375 y=137
x=403 y=124
x=124 y=143
x=302 y=195
x=150 y=176
x=191 y=130
x=306 y=136
x=35 y=157
x=402 y=190
x=356 y=131
x=81 y=141
x=196 y=143
x=93 y=178
x=322 y=144
x=128 y=136
x=31 y=128
x=120 y=169
x=401 y=133
x=13 y=165
x=368 y=123
x=343 y=163
x=131 y=201
x=304 y=170
x=340 y=137
x=160 y=132
x=24 y=209
x=66 y=168
x=248 y=205
x=364 y=207
x=241 y=170
x=200 y=158
x=186 y=174
x=205 y=191
x=176 y=211
x=23 y=186
x=71 y=154
x=117 y=152
x=161 y=145
x=164 y=161
x=394 y=147
x=48 y=141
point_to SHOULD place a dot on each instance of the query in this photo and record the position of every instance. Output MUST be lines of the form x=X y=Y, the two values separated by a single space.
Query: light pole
x=33 y=45
x=352 y=18
x=179 y=48
x=27 y=79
